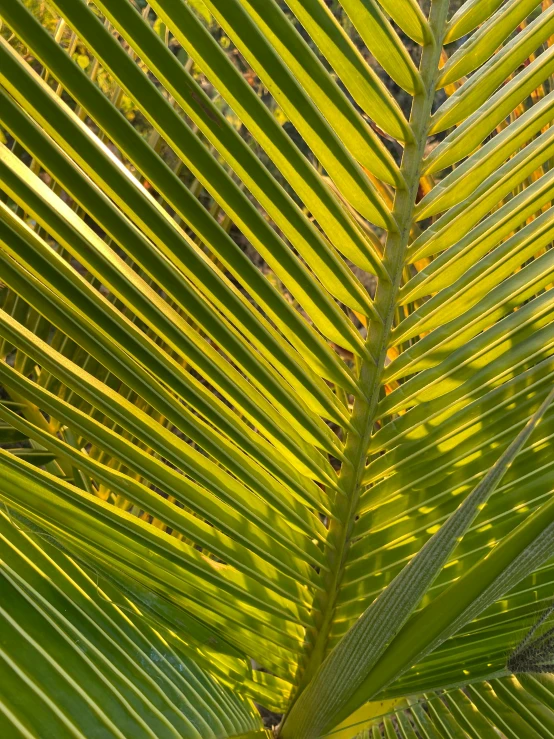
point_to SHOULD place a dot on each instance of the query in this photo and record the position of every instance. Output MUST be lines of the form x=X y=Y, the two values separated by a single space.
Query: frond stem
x=364 y=410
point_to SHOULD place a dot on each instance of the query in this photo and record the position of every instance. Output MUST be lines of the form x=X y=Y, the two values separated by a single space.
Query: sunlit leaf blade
x=465 y=179
x=338 y=687
x=384 y=43
x=474 y=130
x=270 y=135
x=65 y=127
x=484 y=42
x=119 y=540
x=502 y=707
x=169 y=446
x=470 y=15
x=263 y=34
x=409 y=16
x=357 y=76
x=89 y=659
x=524 y=549
x=491 y=75
x=276 y=330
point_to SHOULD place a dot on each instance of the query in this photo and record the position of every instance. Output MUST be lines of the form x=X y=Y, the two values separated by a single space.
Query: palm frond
x=278 y=345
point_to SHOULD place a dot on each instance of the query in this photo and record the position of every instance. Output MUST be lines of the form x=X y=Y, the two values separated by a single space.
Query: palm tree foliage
x=276 y=407
x=514 y=707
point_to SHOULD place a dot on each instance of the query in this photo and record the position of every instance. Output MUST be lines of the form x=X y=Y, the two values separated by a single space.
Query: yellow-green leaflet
x=277 y=369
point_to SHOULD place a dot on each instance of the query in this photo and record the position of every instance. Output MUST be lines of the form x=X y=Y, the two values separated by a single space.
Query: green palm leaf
x=277 y=357
x=88 y=659
x=510 y=707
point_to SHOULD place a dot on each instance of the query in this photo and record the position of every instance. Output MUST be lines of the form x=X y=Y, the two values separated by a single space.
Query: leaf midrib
x=369 y=375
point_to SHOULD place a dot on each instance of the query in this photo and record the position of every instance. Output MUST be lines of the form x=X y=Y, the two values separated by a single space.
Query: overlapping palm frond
x=510 y=707
x=89 y=659
x=286 y=351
